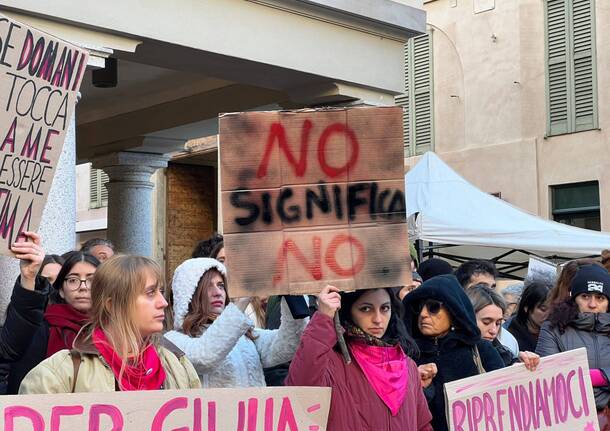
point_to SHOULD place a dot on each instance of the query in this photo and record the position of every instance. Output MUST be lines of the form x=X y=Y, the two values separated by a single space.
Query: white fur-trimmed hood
x=184 y=283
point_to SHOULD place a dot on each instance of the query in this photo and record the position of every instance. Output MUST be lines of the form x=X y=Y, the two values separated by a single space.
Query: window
x=417 y=99
x=571 y=91
x=577 y=204
x=98 y=194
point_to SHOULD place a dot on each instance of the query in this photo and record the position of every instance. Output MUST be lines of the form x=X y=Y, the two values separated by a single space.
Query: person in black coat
x=441 y=319
x=26 y=309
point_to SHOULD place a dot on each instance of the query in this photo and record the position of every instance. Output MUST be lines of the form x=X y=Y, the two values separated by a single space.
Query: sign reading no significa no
x=313 y=197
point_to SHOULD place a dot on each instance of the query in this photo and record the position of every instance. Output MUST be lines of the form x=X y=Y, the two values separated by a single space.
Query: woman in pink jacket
x=381 y=389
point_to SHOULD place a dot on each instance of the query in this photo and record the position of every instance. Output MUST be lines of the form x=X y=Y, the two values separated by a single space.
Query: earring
x=453 y=328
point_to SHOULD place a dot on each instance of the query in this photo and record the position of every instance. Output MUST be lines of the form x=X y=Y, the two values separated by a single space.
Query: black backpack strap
x=76 y=359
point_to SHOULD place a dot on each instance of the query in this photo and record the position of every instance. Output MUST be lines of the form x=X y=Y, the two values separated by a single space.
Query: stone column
x=130 y=199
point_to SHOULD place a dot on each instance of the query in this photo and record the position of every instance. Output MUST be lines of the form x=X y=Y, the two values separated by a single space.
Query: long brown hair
x=114 y=290
x=561 y=291
x=562 y=307
x=199 y=313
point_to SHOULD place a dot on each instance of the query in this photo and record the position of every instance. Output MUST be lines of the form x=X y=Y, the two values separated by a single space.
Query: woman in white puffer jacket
x=215 y=334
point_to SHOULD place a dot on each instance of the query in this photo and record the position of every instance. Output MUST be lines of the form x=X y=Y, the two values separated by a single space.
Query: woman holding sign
x=440 y=317
x=121 y=348
x=579 y=318
x=381 y=390
x=217 y=336
x=70 y=300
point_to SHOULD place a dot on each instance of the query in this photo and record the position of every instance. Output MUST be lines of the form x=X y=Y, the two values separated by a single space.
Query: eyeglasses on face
x=432 y=305
x=74 y=283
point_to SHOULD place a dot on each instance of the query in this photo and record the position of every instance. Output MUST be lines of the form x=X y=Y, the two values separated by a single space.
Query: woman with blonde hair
x=121 y=348
x=217 y=336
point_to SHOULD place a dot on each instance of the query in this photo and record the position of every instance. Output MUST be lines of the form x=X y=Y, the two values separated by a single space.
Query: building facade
x=513 y=95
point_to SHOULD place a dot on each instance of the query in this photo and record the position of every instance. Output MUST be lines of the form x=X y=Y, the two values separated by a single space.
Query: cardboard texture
x=269 y=409
x=39 y=80
x=558 y=395
x=313 y=197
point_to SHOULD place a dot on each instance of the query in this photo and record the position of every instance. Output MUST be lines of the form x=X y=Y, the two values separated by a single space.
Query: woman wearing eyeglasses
x=70 y=303
x=441 y=319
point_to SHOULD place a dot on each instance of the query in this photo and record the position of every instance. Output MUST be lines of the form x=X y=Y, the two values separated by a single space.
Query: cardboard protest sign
x=264 y=409
x=558 y=395
x=313 y=197
x=39 y=79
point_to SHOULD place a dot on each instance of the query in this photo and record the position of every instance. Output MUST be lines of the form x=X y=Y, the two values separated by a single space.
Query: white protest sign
x=557 y=396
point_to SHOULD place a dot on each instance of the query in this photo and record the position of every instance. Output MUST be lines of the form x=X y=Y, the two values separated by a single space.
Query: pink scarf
x=147 y=375
x=385 y=368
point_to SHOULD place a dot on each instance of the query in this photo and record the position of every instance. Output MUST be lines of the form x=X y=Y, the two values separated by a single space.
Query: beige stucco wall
x=490 y=109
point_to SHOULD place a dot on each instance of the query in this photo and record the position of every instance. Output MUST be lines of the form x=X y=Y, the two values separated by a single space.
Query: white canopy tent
x=444 y=208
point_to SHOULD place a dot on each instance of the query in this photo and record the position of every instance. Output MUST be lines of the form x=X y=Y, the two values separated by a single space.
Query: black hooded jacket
x=453 y=353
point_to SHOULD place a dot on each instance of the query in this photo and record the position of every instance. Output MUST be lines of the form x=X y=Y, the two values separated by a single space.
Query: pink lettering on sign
x=166 y=409
x=269 y=414
x=95 y=415
x=287 y=421
x=458 y=409
x=13 y=412
x=58 y=411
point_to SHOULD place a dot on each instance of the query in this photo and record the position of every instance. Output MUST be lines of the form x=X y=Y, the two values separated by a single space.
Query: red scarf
x=64 y=323
x=385 y=368
x=147 y=375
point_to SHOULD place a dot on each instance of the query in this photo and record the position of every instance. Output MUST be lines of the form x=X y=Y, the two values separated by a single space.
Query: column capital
x=133 y=159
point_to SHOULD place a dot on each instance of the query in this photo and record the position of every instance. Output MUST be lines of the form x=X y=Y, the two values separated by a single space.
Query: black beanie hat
x=590 y=279
x=433 y=267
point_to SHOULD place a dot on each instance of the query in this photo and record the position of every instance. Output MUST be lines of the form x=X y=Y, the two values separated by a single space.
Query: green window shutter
x=557 y=66
x=570 y=59
x=583 y=55
x=98 y=194
x=417 y=99
x=422 y=94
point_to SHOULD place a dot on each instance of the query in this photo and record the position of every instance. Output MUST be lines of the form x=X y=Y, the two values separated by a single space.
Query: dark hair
x=396 y=327
x=72 y=258
x=51 y=258
x=433 y=267
x=204 y=248
x=533 y=295
x=561 y=292
x=473 y=267
x=216 y=250
x=606 y=259
x=89 y=244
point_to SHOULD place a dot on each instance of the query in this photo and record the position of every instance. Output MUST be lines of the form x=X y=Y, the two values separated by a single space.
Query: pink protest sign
x=557 y=396
x=264 y=409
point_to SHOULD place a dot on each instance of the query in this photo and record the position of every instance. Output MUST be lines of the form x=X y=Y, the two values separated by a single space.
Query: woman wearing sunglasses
x=380 y=390
x=440 y=317
x=70 y=302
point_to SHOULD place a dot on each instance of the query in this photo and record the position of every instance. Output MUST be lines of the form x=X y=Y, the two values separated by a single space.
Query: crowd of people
x=93 y=321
